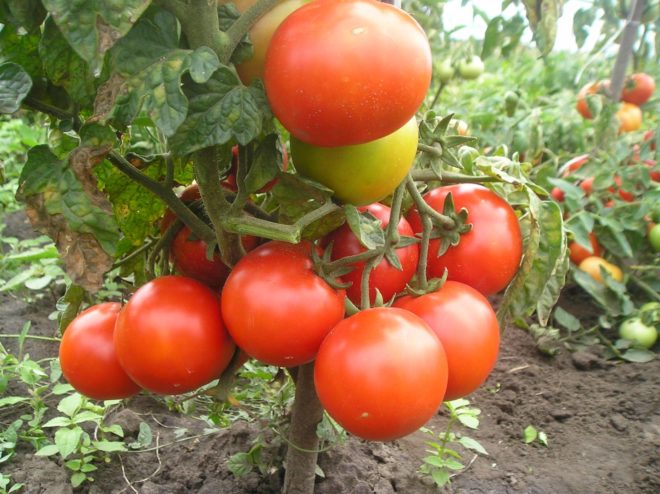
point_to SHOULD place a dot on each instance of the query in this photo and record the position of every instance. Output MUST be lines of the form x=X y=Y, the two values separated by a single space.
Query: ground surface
x=602 y=420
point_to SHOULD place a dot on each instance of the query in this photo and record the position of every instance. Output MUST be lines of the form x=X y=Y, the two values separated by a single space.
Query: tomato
x=578 y=253
x=649 y=135
x=260 y=35
x=460 y=126
x=573 y=164
x=592 y=264
x=630 y=117
x=488 y=256
x=88 y=358
x=654 y=172
x=557 y=194
x=640 y=334
x=654 y=237
x=349 y=72
x=277 y=309
x=170 y=338
x=384 y=277
x=587 y=185
x=623 y=194
x=471 y=68
x=638 y=88
x=381 y=374
x=363 y=173
x=467 y=327
x=230 y=181
x=587 y=91
x=189 y=256
x=444 y=71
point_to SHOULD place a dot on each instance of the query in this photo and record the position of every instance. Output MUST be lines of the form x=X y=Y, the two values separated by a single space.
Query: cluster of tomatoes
x=384 y=371
x=637 y=90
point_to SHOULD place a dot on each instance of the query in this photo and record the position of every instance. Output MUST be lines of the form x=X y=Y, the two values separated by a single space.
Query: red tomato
x=638 y=88
x=623 y=194
x=170 y=338
x=578 y=253
x=488 y=256
x=584 y=93
x=381 y=374
x=650 y=136
x=349 y=72
x=573 y=164
x=467 y=327
x=88 y=358
x=189 y=256
x=587 y=185
x=277 y=309
x=230 y=181
x=557 y=194
x=384 y=277
x=654 y=172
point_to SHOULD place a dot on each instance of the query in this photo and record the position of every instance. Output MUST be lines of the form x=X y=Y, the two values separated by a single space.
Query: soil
x=602 y=420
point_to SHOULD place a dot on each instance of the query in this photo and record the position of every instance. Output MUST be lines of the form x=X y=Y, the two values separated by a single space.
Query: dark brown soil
x=602 y=420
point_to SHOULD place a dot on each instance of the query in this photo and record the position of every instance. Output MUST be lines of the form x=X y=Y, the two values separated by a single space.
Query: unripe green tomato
x=640 y=334
x=471 y=68
x=445 y=71
x=510 y=103
x=654 y=237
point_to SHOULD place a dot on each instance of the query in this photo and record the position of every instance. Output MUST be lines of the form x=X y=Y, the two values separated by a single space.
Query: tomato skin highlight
x=467 y=326
x=363 y=173
x=170 y=338
x=88 y=358
x=346 y=72
x=488 y=256
x=381 y=373
x=384 y=277
x=276 y=308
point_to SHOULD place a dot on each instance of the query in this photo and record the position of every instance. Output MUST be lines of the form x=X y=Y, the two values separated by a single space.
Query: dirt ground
x=602 y=420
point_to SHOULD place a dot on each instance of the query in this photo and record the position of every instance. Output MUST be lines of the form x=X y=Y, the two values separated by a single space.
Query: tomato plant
x=276 y=308
x=640 y=334
x=385 y=278
x=170 y=337
x=467 y=326
x=88 y=358
x=638 y=88
x=381 y=374
x=333 y=67
x=488 y=256
x=363 y=173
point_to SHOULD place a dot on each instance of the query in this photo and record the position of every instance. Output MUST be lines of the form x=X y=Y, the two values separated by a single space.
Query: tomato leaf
x=28 y=14
x=365 y=226
x=530 y=434
x=92 y=35
x=612 y=295
x=220 y=110
x=638 y=355
x=15 y=84
x=265 y=164
x=227 y=15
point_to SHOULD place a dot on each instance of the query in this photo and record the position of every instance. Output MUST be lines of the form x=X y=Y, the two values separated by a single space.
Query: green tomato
x=654 y=237
x=445 y=71
x=471 y=68
x=640 y=334
x=362 y=173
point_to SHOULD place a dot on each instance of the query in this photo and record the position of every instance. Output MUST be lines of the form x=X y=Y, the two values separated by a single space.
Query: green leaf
x=365 y=226
x=440 y=477
x=612 y=296
x=67 y=440
x=638 y=355
x=567 y=320
x=87 y=416
x=60 y=389
x=220 y=110
x=12 y=400
x=27 y=13
x=77 y=479
x=151 y=63
x=529 y=434
x=492 y=37
x=583 y=19
x=114 y=429
x=265 y=164
x=22 y=49
x=70 y=405
x=58 y=422
x=64 y=67
x=48 y=450
x=472 y=444
x=543 y=438
x=15 y=84
x=240 y=464
x=92 y=26
x=145 y=436
x=109 y=446
x=469 y=421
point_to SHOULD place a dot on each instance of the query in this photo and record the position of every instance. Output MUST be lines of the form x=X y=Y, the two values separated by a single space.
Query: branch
x=625 y=50
x=242 y=25
x=428 y=175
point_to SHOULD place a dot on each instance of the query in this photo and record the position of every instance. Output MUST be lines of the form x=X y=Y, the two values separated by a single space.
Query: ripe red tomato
x=623 y=194
x=189 y=256
x=654 y=172
x=277 y=309
x=488 y=256
x=557 y=194
x=88 y=358
x=467 y=327
x=335 y=69
x=384 y=277
x=363 y=173
x=630 y=117
x=584 y=93
x=170 y=338
x=638 y=88
x=573 y=164
x=578 y=253
x=587 y=185
x=381 y=374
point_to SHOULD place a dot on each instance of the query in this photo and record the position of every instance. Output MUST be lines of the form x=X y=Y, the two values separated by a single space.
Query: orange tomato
x=630 y=117
x=592 y=264
x=586 y=91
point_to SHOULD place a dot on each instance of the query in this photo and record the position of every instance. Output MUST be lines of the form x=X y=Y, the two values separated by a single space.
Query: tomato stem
x=424 y=209
x=428 y=175
x=306 y=414
x=240 y=28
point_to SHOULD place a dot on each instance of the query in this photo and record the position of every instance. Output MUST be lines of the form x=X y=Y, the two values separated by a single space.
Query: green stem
x=133 y=254
x=347 y=261
x=646 y=288
x=435 y=151
x=424 y=209
x=31 y=337
x=428 y=175
x=201 y=25
x=240 y=28
x=365 y=302
x=189 y=218
x=437 y=95
x=422 y=278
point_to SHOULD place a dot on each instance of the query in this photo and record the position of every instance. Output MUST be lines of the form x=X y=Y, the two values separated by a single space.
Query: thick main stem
x=625 y=49
x=303 y=442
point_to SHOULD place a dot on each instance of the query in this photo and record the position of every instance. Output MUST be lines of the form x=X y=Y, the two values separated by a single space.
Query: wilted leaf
x=92 y=35
x=15 y=84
